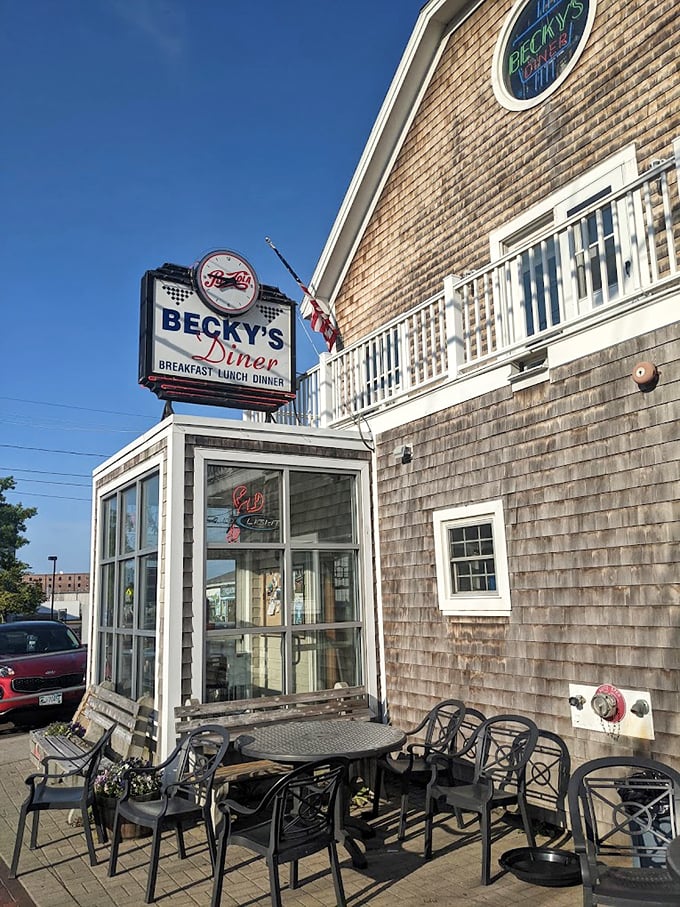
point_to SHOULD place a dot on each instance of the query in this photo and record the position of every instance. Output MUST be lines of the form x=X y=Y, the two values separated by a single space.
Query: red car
x=42 y=663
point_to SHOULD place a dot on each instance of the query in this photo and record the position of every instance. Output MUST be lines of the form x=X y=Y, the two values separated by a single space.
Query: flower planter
x=128 y=830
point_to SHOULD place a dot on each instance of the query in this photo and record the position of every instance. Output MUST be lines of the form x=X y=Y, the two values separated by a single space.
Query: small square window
x=471 y=558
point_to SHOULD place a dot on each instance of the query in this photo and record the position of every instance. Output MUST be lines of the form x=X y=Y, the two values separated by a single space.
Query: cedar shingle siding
x=587 y=468
x=586 y=465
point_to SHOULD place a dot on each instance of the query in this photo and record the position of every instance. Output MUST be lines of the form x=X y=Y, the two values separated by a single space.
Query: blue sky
x=137 y=132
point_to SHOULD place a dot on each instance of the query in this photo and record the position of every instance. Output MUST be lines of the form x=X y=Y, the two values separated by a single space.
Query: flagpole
x=327 y=329
x=288 y=268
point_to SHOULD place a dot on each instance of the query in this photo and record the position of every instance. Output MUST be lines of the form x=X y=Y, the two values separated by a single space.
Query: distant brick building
x=63 y=582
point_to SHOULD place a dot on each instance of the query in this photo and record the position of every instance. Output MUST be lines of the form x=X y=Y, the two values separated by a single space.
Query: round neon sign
x=538 y=47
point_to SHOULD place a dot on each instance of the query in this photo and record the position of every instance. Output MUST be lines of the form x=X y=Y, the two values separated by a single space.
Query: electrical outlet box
x=630 y=725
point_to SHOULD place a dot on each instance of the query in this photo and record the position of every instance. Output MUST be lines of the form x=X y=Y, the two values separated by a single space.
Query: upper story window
x=574 y=250
x=471 y=559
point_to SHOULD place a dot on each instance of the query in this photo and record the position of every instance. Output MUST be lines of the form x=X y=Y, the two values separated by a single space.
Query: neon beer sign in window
x=538 y=47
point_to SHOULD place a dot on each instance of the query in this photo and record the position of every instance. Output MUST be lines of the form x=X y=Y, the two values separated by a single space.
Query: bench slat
x=242 y=714
x=99 y=709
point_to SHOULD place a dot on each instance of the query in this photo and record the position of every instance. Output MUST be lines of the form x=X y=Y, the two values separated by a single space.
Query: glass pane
x=127 y=593
x=149 y=508
x=105 y=671
x=220 y=592
x=108 y=595
x=148 y=567
x=124 y=664
x=322 y=658
x=474 y=576
x=532 y=266
x=322 y=507
x=243 y=667
x=147 y=666
x=109 y=523
x=243 y=588
x=586 y=238
x=243 y=505
x=324 y=587
x=129 y=528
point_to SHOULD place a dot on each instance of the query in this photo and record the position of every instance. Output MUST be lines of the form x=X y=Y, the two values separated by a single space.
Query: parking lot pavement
x=58 y=874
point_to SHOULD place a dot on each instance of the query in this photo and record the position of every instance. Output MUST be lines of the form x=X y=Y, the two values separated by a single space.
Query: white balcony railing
x=615 y=252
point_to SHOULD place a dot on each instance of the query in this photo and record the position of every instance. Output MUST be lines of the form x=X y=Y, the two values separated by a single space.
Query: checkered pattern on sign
x=177 y=293
x=270 y=312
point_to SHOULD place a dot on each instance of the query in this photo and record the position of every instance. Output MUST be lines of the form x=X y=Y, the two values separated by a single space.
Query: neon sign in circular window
x=538 y=47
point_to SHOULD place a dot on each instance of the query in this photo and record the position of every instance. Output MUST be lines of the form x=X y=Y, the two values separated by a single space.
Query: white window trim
x=618 y=169
x=613 y=172
x=487 y=605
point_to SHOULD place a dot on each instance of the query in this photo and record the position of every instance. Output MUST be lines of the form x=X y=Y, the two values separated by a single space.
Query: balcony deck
x=615 y=255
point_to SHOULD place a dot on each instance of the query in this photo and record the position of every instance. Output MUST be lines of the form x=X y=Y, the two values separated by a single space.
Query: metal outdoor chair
x=460 y=765
x=185 y=796
x=73 y=789
x=504 y=745
x=295 y=818
x=624 y=812
x=441 y=726
x=547 y=779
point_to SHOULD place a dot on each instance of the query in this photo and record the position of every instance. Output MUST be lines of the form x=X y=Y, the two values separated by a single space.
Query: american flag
x=320 y=321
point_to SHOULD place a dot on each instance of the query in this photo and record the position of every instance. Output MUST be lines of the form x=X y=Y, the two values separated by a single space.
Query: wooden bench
x=240 y=715
x=100 y=708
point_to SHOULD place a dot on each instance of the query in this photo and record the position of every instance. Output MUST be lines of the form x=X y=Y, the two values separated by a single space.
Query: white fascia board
x=399 y=107
x=613 y=329
x=146 y=440
x=636 y=322
x=270 y=432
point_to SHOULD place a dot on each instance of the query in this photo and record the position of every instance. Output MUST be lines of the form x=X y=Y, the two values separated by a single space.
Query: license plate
x=50 y=699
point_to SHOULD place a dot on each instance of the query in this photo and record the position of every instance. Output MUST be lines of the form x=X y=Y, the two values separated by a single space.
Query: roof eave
x=410 y=79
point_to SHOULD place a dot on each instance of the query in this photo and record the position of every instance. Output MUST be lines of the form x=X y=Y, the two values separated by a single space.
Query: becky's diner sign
x=538 y=46
x=212 y=334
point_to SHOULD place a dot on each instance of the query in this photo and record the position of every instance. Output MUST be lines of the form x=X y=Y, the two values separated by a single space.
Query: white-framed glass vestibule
x=282 y=567
x=126 y=590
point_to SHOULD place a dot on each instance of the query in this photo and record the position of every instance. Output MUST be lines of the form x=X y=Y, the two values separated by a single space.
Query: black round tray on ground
x=543 y=866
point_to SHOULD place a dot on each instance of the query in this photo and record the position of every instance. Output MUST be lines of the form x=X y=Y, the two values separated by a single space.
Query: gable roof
x=398 y=109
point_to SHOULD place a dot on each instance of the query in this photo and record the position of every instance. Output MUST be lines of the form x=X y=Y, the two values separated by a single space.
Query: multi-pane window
x=571 y=252
x=283 y=611
x=471 y=559
x=128 y=588
x=471 y=553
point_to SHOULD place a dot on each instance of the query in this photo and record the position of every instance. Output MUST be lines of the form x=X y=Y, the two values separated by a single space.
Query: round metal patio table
x=307 y=741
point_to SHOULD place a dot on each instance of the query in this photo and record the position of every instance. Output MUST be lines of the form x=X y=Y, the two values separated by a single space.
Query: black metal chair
x=624 y=812
x=460 y=765
x=295 y=818
x=73 y=789
x=547 y=779
x=185 y=797
x=504 y=744
x=440 y=727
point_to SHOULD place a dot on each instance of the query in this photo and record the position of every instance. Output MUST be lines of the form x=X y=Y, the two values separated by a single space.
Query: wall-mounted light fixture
x=403 y=453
